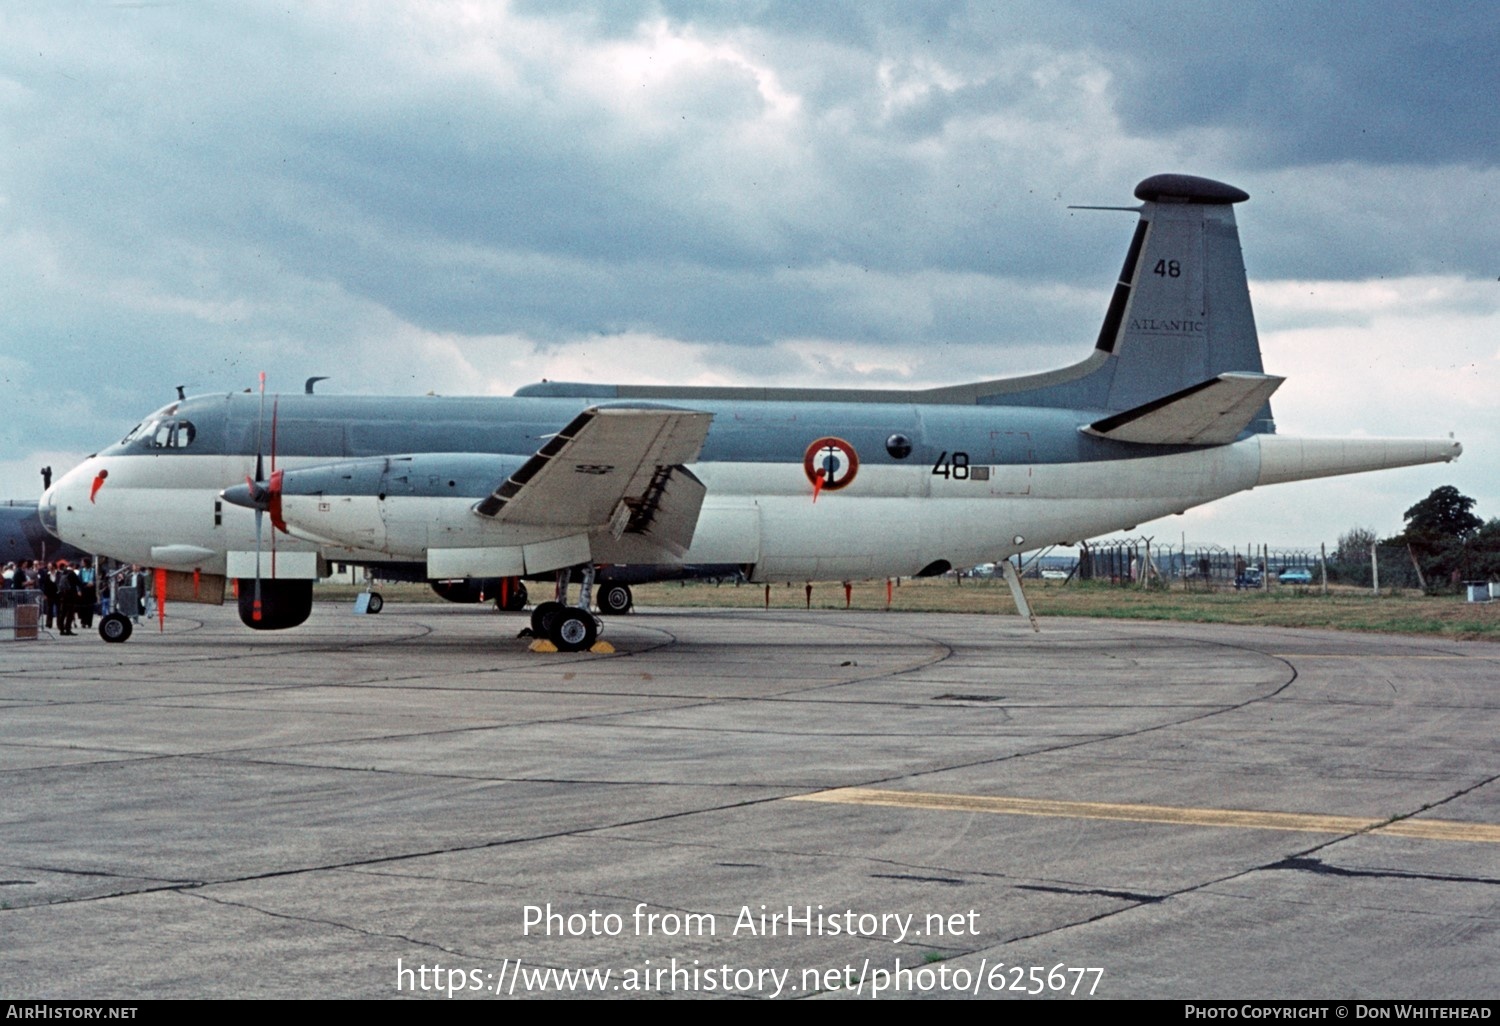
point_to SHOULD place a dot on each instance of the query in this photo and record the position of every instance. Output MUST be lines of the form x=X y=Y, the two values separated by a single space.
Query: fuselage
x=935 y=485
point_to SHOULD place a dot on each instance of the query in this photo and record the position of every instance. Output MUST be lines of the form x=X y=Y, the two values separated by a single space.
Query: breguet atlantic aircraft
x=625 y=483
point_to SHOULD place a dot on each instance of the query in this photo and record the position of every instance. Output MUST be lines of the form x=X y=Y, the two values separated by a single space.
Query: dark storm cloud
x=198 y=191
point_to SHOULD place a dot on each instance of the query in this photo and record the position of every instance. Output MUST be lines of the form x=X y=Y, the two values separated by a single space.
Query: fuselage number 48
x=954 y=466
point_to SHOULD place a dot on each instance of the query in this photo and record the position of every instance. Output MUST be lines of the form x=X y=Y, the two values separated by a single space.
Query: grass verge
x=1342 y=609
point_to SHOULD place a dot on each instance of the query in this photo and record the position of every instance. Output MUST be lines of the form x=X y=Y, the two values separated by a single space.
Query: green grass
x=1343 y=609
x=1351 y=610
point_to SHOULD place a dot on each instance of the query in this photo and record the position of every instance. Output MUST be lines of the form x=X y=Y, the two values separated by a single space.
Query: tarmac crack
x=321 y=921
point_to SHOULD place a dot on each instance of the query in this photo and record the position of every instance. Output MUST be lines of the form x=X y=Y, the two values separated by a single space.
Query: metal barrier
x=20 y=614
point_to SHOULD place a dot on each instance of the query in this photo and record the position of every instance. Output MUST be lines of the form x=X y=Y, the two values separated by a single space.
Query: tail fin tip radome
x=1177 y=188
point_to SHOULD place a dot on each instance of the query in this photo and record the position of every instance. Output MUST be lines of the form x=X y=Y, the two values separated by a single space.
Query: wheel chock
x=543 y=645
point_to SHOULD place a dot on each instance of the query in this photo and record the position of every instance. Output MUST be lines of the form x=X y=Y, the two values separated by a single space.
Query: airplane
x=626 y=483
x=23 y=538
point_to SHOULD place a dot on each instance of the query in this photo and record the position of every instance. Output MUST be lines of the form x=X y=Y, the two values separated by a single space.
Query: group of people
x=70 y=595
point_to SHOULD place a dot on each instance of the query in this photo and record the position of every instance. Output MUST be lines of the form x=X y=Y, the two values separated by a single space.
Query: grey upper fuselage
x=743 y=431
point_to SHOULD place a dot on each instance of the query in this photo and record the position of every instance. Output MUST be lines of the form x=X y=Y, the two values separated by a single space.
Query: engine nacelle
x=283 y=603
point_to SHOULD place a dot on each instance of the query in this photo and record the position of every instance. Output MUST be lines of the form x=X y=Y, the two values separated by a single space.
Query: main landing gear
x=615 y=599
x=511 y=598
x=569 y=628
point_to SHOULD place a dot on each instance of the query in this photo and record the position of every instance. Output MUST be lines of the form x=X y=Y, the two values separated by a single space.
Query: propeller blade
x=273 y=505
x=255 y=607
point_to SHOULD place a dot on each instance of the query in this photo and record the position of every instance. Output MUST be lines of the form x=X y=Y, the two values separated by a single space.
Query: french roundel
x=835 y=459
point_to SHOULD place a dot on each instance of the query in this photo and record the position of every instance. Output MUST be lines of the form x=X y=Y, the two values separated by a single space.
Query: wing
x=616 y=472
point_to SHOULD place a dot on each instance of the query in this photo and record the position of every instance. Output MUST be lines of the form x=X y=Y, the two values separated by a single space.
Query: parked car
x=1295 y=575
x=1249 y=578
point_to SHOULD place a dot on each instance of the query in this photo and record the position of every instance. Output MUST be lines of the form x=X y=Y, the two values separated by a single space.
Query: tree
x=1443 y=514
x=1354 y=545
x=1437 y=531
x=1349 y=562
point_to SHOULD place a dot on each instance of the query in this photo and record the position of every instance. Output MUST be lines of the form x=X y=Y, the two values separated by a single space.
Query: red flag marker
x=161 y=599
x=98 y=484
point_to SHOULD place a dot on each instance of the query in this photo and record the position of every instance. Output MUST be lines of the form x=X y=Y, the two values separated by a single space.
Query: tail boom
x=1303 y=459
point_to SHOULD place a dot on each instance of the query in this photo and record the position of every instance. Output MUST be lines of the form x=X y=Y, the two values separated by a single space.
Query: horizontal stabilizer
x=1213 y=412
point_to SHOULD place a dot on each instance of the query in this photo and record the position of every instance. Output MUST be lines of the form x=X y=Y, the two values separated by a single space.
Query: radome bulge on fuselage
x=643 y=482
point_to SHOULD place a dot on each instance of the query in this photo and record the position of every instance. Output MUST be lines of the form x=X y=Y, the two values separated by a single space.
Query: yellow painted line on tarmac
x=1433 y=830
x=1443 y=830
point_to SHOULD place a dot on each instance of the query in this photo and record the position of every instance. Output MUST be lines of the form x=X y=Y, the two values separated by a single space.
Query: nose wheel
x=115 y=628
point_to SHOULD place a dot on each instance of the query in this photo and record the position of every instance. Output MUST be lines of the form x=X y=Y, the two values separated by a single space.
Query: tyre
x=615 y=599
x=573 y=630
x=542 y=617
x=376 y=603
x=115 y=628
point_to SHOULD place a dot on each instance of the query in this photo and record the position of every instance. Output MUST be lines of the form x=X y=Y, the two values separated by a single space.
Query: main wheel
x=376 y=603
x=515 y=599
x=542 y=617
x=615 y=599
x=115 y=627
x=574 y=630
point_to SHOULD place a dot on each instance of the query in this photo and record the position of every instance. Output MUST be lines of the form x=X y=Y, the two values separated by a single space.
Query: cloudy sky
x=466 y=197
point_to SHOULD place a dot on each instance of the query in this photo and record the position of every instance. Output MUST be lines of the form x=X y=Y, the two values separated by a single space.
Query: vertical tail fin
x=1180 y=314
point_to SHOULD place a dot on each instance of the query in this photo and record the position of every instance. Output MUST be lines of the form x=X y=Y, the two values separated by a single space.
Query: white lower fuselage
x=892 y=521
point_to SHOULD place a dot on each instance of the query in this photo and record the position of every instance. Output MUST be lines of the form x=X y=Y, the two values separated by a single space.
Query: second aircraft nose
x=46 y=509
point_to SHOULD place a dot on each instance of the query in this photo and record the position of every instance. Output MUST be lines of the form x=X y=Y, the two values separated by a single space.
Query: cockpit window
x=170 y=434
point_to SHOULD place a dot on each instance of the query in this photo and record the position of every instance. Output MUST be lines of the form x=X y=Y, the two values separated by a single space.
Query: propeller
x=263 y=494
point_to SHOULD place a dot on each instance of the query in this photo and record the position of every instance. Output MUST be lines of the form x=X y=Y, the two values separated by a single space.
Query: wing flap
x=613 y=468
x=1213 y=412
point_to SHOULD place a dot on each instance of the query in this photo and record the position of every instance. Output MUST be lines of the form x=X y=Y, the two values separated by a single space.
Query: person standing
x=69 y=592
x=88 y=594
x=47 y=581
